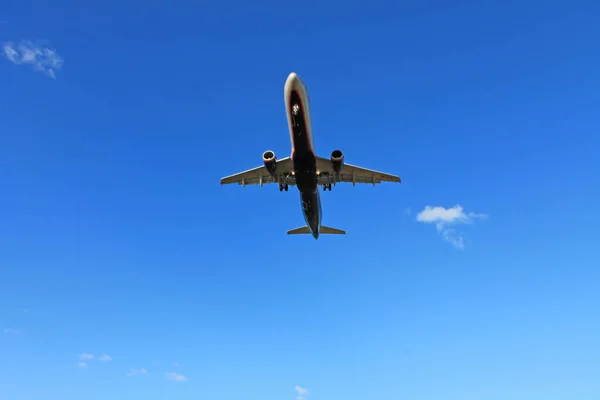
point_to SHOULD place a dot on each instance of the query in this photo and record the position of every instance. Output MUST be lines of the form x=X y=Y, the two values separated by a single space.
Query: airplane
x=303 y=168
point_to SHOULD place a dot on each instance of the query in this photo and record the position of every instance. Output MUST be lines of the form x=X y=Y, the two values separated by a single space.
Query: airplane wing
x=351 y=173
x=260 y=175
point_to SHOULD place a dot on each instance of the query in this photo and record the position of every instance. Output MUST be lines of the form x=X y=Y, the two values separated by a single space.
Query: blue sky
x=476 y=278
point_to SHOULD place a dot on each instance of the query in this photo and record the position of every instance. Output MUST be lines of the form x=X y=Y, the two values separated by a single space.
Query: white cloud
x=86 y=356
x=175 y=377
x=301 y=392
x=443 y=217
x=105 y=357
x=82 y=364
x=134 y=371
x=41 y=58
x=11 y=330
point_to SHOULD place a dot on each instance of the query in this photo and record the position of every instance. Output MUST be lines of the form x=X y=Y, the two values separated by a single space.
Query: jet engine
x=337 y=161
x=270 y=162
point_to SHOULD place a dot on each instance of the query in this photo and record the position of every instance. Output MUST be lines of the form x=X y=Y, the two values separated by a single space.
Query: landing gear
x=283 y=187
x=326 y=187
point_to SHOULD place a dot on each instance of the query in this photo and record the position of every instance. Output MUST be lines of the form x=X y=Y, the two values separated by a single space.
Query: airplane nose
x=293 y=81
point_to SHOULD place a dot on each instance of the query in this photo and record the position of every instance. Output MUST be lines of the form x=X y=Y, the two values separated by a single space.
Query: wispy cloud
x=105 y=357
x=301 y=392
x=11 y=330
x=41 y=58
x=175 y=376
x=444 y=218
x=86 y=356
x=134 y=371
x=83 y=357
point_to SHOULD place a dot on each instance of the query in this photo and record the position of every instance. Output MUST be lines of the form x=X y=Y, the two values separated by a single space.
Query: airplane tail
x=325 y=230
x=299 y=231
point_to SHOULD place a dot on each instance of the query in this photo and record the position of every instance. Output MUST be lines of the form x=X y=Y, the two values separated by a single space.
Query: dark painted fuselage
x=303 y=155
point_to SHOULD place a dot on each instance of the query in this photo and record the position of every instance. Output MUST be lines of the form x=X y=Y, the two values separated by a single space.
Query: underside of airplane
x=329 y=172
x=304 y=169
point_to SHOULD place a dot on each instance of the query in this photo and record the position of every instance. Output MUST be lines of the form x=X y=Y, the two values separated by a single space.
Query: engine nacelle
x=270 y=162
x=337 y=161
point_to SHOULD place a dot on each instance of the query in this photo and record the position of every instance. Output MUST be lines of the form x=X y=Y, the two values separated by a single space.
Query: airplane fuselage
x=304 y=158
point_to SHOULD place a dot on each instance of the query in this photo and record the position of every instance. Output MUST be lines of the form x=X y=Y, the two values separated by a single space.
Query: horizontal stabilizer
x=299 y=231
x=325 y=230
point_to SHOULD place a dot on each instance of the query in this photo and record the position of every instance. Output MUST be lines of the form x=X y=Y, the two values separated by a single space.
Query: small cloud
x=41 y=58
x=443 y=217
x=86 y=356
x=134 y=371
x=82 y=364
x=105 y=357
x=447 y=215
x=301 y=392
x=11 y=330
x=175 y=377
